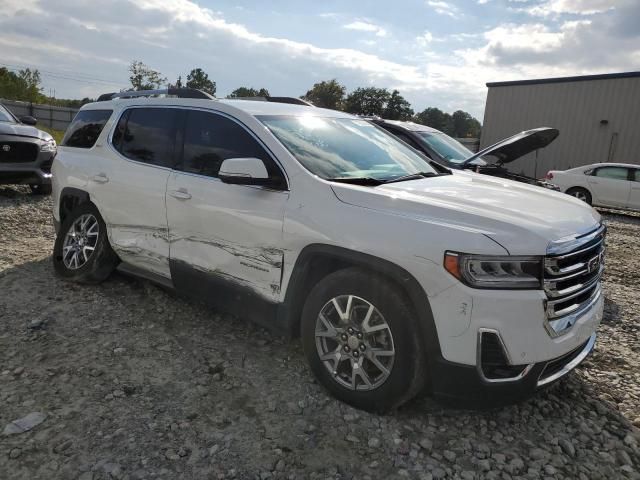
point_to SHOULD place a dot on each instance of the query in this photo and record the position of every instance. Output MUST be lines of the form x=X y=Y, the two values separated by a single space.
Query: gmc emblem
x=593 y=264
x=6 y=148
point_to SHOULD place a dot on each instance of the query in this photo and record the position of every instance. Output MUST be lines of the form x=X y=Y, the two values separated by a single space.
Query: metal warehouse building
x=598 y=117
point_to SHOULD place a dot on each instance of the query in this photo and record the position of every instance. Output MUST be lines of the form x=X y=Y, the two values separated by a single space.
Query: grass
x=56 y=134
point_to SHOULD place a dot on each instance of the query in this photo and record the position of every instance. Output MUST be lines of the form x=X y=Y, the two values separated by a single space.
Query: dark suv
x=449 y=152
x=26 y=153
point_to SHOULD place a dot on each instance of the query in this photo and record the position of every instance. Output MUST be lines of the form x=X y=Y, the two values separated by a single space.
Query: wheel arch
x=318 y=260
x=70 y=198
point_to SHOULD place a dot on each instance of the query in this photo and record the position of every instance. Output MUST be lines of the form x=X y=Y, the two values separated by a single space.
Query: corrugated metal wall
x=576 y=109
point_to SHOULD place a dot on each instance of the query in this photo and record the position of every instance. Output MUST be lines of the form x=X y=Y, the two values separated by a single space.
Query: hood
x=22 y=130
x=520 y=217
x=516 y=146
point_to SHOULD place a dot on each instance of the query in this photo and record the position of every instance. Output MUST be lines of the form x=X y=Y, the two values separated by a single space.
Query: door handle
x=180 y=194
x=100 y=178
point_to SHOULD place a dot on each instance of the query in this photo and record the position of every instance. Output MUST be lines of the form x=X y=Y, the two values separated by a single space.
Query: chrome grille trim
x=571 y=279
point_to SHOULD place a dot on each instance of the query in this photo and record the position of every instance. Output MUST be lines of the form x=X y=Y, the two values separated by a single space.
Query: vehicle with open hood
x=26 y=153
x=398 y=276
x=489 y=161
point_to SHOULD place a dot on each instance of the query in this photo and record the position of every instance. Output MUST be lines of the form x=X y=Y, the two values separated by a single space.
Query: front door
x=634 y=192
x=130 y=187
x=610 y=186
x=225 y=240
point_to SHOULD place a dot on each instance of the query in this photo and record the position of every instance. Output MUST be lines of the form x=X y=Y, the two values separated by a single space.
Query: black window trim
x=179 y=150
x=105 y=129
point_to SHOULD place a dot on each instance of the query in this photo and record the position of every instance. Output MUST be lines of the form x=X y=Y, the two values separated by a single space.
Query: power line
x=77 y=76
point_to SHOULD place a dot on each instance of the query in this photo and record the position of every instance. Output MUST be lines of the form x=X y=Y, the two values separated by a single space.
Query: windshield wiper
x=414 y=176
x=367 y=181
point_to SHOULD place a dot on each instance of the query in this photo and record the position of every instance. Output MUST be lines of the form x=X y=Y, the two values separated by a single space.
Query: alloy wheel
x=80 y=241
x=354 y=342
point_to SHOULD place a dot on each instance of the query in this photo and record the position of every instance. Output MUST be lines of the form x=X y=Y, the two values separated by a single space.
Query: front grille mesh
x=18 y=152
x=572 y=279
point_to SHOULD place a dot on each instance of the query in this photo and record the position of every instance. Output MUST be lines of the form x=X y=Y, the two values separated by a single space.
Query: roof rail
x=176 y=92
x=290 y=100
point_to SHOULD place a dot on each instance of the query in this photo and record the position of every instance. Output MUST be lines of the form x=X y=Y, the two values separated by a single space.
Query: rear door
x=226 y=240
x=610 y=186
x=130 y=187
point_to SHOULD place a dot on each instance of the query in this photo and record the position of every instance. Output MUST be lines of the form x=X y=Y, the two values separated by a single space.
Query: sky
x=438 y=53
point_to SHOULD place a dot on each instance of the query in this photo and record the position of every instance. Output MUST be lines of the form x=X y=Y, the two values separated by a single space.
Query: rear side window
x=147 y=135
x=86 y=128
x=616 y=173
x=210 y=138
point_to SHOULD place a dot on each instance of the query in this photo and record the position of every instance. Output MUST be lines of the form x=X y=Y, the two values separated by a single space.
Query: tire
x=580 y=193
x=40 y=189
x=406 y=367
x=92 y=266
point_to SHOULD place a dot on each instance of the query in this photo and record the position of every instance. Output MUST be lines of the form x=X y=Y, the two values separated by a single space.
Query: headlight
x=49 y=146
x=497 y=272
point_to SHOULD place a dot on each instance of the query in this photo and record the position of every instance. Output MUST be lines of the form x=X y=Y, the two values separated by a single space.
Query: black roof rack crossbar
x=176 y=92
x=290 y=100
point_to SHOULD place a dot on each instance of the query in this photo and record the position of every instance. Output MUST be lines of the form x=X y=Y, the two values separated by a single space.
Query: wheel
x=361 y=340
x=81 y=251
x=580 y=193
x=40 y=189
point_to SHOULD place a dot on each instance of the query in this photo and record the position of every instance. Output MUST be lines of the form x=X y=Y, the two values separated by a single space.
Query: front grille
x=572 y=279
x=18 y=152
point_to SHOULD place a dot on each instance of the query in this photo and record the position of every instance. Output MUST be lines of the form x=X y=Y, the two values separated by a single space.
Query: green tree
x=464 y=125
x=244 y=92
x=326 y=94
x=199 y=80
x=24 y=85
x=435 y=118
x=31 y=79
x=367 y=101
x=145 y=78
x=398 y=108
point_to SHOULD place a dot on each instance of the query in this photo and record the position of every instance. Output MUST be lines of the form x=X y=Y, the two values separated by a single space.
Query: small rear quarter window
x=86 y=128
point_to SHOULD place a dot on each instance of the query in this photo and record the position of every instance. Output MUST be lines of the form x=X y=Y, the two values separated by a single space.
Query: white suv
x=397 y=273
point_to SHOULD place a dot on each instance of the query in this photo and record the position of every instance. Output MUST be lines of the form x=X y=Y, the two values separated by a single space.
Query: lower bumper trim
x=574 y=361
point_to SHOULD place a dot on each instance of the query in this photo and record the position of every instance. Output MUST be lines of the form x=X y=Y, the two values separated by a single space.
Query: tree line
x=371 y=101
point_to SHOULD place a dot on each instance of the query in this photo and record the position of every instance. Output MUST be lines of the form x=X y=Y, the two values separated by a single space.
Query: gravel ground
x=126 y=381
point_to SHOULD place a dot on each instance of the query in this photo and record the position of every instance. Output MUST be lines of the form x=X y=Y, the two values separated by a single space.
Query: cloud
x=364 y=26
x=443 y=8
x=425 y=39
x=578 y=7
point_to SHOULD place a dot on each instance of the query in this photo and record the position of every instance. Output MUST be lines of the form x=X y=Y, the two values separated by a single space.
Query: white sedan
x=613 y=185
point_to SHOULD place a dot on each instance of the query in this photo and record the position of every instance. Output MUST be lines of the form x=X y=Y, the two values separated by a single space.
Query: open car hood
x=516 y=146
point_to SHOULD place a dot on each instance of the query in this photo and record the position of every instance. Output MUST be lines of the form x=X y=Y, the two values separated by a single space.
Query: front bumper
x=464 y=386
x=36 y=170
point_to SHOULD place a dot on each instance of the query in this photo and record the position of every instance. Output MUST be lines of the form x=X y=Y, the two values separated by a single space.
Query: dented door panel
x=228 y=231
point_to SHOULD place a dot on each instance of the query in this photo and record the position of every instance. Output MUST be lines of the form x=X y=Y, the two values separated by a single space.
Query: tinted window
x=86 y=128
x=210 y=138
x=445 y=146
x=636 y=175
x=5 y=115
x=616 y=173
x=147 y=135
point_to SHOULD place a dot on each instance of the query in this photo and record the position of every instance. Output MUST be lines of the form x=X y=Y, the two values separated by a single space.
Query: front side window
x=5 y=115
x=147 y=135
x=339 y=148
x=86 y=128
x=209 y=139
x=636 y=175
x=615 y=173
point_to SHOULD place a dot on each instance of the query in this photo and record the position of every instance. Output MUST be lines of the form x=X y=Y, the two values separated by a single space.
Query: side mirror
x=28 y=120
x=588 y=172
x=244 y=171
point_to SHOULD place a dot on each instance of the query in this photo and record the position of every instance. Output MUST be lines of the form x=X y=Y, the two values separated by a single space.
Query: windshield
x=339 y=148
x=5 y=116
x=447 y=147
